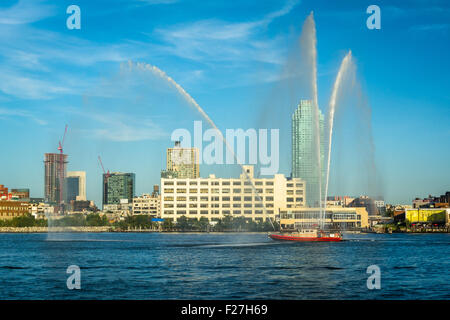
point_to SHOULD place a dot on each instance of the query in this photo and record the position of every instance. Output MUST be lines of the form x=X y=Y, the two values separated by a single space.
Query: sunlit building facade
x=246 y=196
x=333 y=218
x=182 y=162
x=304 y=158
x=147 y=204
x=75 y=186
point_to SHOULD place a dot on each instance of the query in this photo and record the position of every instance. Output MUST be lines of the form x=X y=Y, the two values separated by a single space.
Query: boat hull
x=283 y=237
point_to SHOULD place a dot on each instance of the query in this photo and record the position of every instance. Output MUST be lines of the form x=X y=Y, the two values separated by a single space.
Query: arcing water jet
x=332 y=108
x=158 y=72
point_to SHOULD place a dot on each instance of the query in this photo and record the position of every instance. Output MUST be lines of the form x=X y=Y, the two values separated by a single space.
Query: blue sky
x=228 y=56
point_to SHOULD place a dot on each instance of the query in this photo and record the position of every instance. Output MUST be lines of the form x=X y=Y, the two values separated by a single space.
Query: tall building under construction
x=55 y=175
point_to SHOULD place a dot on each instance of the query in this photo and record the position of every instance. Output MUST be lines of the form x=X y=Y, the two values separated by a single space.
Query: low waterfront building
x=147 y=204
x=246 y=196
x=122 y=209
x=430 y=201
x=428 y=216
x=335 y=218
x=12 y=209
x=4 y=194
x=40 y=210
x=20 y=194
x=82 y=206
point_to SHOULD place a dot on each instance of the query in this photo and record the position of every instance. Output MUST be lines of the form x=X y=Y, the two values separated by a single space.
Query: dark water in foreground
x=222 y=266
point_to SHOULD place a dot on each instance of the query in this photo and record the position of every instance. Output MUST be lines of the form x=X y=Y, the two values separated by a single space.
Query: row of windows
x=217 y=205
x=217 y=183
x=346 y=216
x=23 y=208
x=218 y=191
x=224 y=198
x=316 y=215
x=11 y=214
x=235 y=212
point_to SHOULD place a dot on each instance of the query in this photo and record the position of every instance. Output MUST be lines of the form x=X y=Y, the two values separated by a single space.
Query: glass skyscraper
x=72 y=187
x=117 y=186
x=304 y=151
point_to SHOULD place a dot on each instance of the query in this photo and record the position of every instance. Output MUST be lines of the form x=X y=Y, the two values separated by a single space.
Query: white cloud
x=118 y=127
x=25 y=11
x=26 y=87
x=218 y=40
x=7 y=112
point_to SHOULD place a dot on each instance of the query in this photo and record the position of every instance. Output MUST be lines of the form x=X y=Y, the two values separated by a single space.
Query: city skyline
x=48 y=83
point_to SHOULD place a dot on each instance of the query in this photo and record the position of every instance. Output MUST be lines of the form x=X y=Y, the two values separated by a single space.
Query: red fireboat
x=307 y=235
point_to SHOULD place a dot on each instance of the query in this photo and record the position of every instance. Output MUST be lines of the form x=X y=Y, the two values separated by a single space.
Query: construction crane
x=61 y=171
x=106 y=174
x=103 y=168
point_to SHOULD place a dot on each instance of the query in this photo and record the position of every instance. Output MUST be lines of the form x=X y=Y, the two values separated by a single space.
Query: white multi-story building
x=246 y=196
x=147 y=204
x=123 y=209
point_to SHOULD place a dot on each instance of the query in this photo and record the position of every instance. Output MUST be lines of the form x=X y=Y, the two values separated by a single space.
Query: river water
x=222 y=266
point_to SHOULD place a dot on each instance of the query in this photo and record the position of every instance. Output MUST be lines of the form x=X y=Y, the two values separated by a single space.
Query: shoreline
x=107 y=229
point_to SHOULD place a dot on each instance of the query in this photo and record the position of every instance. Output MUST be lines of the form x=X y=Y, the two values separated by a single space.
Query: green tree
x=203 y=224
x=167 y=224
x=95 y=220
x=183 y=223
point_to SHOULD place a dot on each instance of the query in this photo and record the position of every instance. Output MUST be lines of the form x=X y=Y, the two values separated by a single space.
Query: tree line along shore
x=96 y=223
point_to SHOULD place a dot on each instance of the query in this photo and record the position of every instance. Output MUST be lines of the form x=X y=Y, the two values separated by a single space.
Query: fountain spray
x=332 y=108
x=158 y=72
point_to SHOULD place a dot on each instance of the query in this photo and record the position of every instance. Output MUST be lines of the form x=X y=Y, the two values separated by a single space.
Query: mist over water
x=349 y=156
x=331 y=111
x=148 y=93
x=297 y=81
x=353 y=170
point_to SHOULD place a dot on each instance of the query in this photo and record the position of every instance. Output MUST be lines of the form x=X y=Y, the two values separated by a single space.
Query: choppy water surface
x=222 y=266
